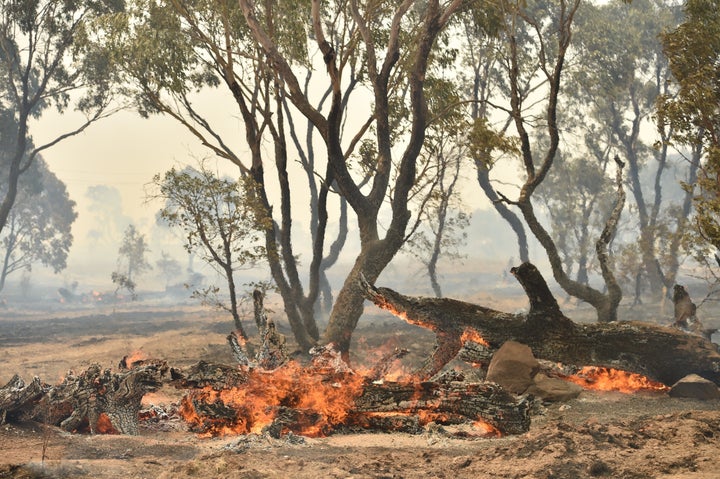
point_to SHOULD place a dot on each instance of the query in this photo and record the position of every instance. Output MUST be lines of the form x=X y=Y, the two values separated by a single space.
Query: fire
x=609 y=379
x=311 y=402
x=260 y=402
x=472 y=335
x=133 y=359
x=104 y=425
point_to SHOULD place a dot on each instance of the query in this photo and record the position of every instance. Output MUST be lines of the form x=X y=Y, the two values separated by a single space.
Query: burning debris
x=609 y=379
x=326 y=396
x=269 y=393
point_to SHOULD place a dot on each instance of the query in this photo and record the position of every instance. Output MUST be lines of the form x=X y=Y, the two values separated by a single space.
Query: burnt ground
x=596 y=435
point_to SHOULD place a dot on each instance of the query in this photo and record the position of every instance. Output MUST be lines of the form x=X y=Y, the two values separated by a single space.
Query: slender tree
x=550 y=26
x=424 y=22
x=693 y=49
x=621 y=73
x=132 y=260
x=220 y=220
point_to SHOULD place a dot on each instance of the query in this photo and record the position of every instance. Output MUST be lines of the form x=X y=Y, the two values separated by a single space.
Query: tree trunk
x=483 y=176
x=662 y=353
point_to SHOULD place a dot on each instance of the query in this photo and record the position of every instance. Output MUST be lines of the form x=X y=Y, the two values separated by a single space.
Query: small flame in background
x=135 y=358
x=609 y=379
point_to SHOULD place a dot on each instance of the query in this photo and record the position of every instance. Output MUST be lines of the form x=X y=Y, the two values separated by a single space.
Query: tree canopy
x=693 y=50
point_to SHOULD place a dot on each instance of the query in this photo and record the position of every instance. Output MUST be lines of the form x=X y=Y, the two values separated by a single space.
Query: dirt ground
x=596 y=435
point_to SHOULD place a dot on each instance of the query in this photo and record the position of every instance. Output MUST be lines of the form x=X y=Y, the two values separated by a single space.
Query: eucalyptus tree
x=693 y=50
x=43 y=64
x=396 y=42
x=619 y=73
x=536 y=44
x=168 y=51
x=480 y=32
x=132 y=260
x=439 y=227
x=220 y=222
x=578 y=196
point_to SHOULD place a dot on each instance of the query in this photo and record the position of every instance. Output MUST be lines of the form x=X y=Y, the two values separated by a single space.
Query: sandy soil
x=595 y=435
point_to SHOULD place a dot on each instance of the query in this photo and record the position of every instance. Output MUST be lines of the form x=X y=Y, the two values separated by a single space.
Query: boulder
x=513 y=367
x=553 y=389
x=694 y=386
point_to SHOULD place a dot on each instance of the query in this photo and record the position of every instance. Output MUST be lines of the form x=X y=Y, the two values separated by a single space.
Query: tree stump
x=97 y=399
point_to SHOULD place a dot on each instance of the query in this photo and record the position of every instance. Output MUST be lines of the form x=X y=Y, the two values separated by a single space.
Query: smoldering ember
x=493 y=377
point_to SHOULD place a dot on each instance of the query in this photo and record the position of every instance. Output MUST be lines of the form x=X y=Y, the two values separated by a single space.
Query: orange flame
x=472 y=335
x=104 y=425
x=609 y=379
x=259 y=402
x=304 y=401
x=134 y=358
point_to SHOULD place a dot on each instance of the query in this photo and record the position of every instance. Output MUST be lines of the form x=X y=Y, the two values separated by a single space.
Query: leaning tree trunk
x=662 y=353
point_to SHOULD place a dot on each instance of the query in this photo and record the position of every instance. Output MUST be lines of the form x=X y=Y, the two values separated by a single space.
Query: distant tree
x=222 y=222
x=537 y=39
x=169 y=267
x=43 y=65
x=132 y=260
x=614 y=89
x=439 y=230
x=482 y=79
x=578 y=196
x=38 y=229
x=108 y=219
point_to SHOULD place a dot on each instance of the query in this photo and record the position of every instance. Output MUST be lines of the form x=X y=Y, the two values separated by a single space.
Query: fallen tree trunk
x=98 y=400
x=662 y=353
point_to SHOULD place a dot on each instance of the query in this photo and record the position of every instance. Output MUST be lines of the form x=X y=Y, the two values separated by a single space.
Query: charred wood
x=101 y=400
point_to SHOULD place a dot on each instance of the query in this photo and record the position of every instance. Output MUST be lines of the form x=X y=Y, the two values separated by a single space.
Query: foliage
x=215 y=214
x=578 y=196
x=39 y=225
x=43 y=64
x=693 y=50
x=617 y=76
x=222 y=222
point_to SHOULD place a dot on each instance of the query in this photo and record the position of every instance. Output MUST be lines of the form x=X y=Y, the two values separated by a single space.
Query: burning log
x=327 y=396
x=99 y=400
x=662 y=353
